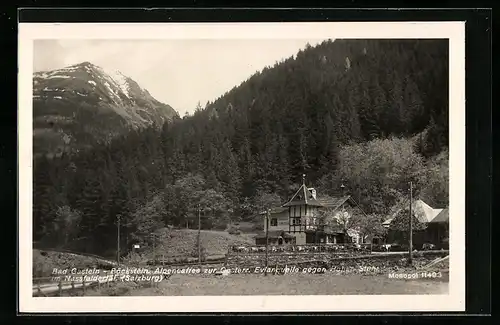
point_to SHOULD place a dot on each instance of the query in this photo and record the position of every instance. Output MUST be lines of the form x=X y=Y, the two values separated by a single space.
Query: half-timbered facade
x=307 y=218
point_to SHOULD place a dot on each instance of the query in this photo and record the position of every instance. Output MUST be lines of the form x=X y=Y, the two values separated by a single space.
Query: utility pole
x=267 y=239
x=199 y=235
x=118 y=239
x=410 y=259
x=154 y=248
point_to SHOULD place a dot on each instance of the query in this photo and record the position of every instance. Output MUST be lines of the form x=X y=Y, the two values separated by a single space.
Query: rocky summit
x=83 y=104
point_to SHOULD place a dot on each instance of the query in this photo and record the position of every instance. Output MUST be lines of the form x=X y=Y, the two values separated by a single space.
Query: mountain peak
x=115 y=82
x=101 y=100
x=85 y=63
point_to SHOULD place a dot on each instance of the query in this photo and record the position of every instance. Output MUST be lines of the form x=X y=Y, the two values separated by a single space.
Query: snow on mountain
x=116 y=83
x=89 y=103
x=118 y=79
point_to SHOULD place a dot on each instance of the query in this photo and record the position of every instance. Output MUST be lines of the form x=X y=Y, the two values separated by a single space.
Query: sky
x=180 y=73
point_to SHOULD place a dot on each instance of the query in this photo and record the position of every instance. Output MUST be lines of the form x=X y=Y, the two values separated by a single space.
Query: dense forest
x=369 y=114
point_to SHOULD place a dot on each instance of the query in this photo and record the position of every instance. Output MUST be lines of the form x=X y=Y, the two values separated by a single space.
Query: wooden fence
x=50 y=286
x=297 y=249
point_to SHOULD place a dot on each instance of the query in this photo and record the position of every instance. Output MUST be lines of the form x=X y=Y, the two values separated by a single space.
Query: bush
x=133 y=259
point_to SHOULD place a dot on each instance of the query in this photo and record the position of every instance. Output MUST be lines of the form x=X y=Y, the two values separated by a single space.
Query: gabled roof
x=442 y=217
x=302 y=197
x=421 y=210
x=333 y=202
x=305 y=196
x=424 y=212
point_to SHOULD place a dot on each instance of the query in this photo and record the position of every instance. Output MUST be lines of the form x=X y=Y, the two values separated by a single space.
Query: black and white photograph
x=250 y=165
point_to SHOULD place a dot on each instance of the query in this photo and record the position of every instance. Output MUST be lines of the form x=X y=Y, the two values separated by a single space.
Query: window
x=274 y=222
x=295 y=221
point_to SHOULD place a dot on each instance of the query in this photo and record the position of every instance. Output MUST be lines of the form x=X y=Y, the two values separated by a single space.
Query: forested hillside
x=370 y=114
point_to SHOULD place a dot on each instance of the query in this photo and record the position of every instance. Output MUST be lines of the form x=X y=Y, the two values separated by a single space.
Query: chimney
x=313 y=192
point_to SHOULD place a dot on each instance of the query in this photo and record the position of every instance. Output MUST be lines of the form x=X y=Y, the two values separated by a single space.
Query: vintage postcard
x=282 y=167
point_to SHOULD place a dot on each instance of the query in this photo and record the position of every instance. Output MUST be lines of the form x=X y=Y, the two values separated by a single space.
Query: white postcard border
x=454 y=31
